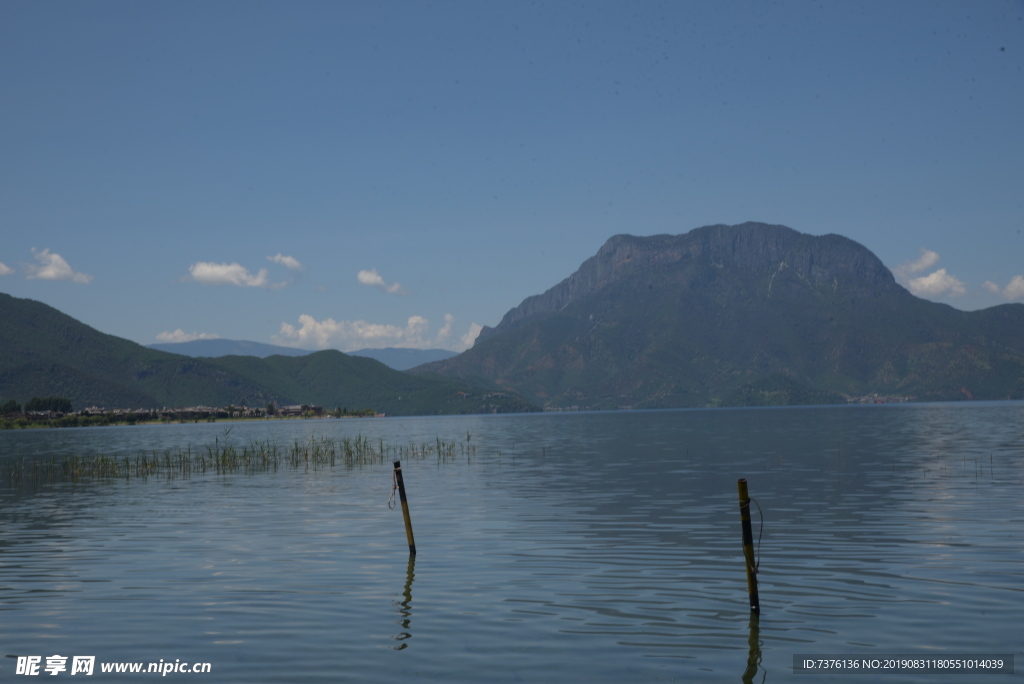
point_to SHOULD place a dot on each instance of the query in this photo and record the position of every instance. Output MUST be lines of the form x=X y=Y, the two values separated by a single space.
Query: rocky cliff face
x=757 y=248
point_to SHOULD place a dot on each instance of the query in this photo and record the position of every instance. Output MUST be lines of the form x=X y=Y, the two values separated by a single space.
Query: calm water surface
x=597 y=547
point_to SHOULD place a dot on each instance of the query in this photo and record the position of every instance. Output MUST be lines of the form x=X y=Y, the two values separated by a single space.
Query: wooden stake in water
x=405 y=507
x=748 y=545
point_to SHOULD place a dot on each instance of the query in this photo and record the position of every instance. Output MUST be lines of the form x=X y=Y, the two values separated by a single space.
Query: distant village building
x=300 y=410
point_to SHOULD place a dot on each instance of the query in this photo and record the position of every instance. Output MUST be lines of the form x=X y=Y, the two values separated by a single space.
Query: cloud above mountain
x=329 y=333
x=53 y=266
x=470 y=337
x=938 y=283
x=180 y=335
x=1013 y=292
x=927 y=259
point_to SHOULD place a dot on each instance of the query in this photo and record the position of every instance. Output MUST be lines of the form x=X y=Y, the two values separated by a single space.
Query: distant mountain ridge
x=397 y=358
x=213 y=348
x=746 y=314
x=404 y=358
x=44 y=352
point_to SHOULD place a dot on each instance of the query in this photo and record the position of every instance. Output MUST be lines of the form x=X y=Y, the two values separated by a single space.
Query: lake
x=599 y=547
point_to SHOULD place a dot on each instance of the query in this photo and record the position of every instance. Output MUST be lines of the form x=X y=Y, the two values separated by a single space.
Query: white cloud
x=5 y=269
x=289 y=262
x=372 y=278
x=180 y=335
x=444 y=333
x=936 y=284
x=927 y=259
x=53 y=267
x=470 y=337
x=351 y=335
x=1014 y=291
x=416 y=327
x=209 y=273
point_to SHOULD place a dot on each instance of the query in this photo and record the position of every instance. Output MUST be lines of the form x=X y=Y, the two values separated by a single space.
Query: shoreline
x=103 y=421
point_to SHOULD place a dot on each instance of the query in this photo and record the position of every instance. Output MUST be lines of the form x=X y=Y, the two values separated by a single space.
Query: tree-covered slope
x=44 y=352
x=332 y=379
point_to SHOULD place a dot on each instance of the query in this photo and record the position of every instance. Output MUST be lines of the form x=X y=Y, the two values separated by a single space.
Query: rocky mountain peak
x=754 y=247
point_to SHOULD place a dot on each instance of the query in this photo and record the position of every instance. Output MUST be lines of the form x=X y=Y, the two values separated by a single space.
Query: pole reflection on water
x=405 y=606
x=754 y=652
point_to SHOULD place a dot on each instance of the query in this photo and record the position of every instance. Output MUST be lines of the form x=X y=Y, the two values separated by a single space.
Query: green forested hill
x=44 y=352
x=332 y=379
x=741 y=315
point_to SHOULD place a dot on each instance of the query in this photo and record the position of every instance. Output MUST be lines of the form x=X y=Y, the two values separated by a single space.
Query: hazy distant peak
x=396 y=358
x=218 y=347
x=401 y=358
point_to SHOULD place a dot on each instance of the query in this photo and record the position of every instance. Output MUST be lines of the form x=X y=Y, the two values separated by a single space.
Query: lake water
x=598 y=547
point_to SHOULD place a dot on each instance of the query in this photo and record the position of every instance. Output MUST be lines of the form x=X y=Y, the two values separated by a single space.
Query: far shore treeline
x=58 y=412
x=37 y=405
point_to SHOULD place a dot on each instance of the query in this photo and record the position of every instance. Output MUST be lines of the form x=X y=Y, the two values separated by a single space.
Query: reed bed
x=222 y=459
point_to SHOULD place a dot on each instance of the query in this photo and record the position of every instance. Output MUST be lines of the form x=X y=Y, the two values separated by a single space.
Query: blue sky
x=369 y=174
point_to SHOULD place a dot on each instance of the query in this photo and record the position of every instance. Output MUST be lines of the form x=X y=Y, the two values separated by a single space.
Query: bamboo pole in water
x=748 y=545
x=405 y=507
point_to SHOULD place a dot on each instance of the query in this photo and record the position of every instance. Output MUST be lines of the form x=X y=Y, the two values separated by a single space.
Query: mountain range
x=750 y=314
x=44 y=352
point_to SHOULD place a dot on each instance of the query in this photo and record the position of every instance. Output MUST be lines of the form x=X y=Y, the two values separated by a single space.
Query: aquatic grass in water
x=222 y=459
